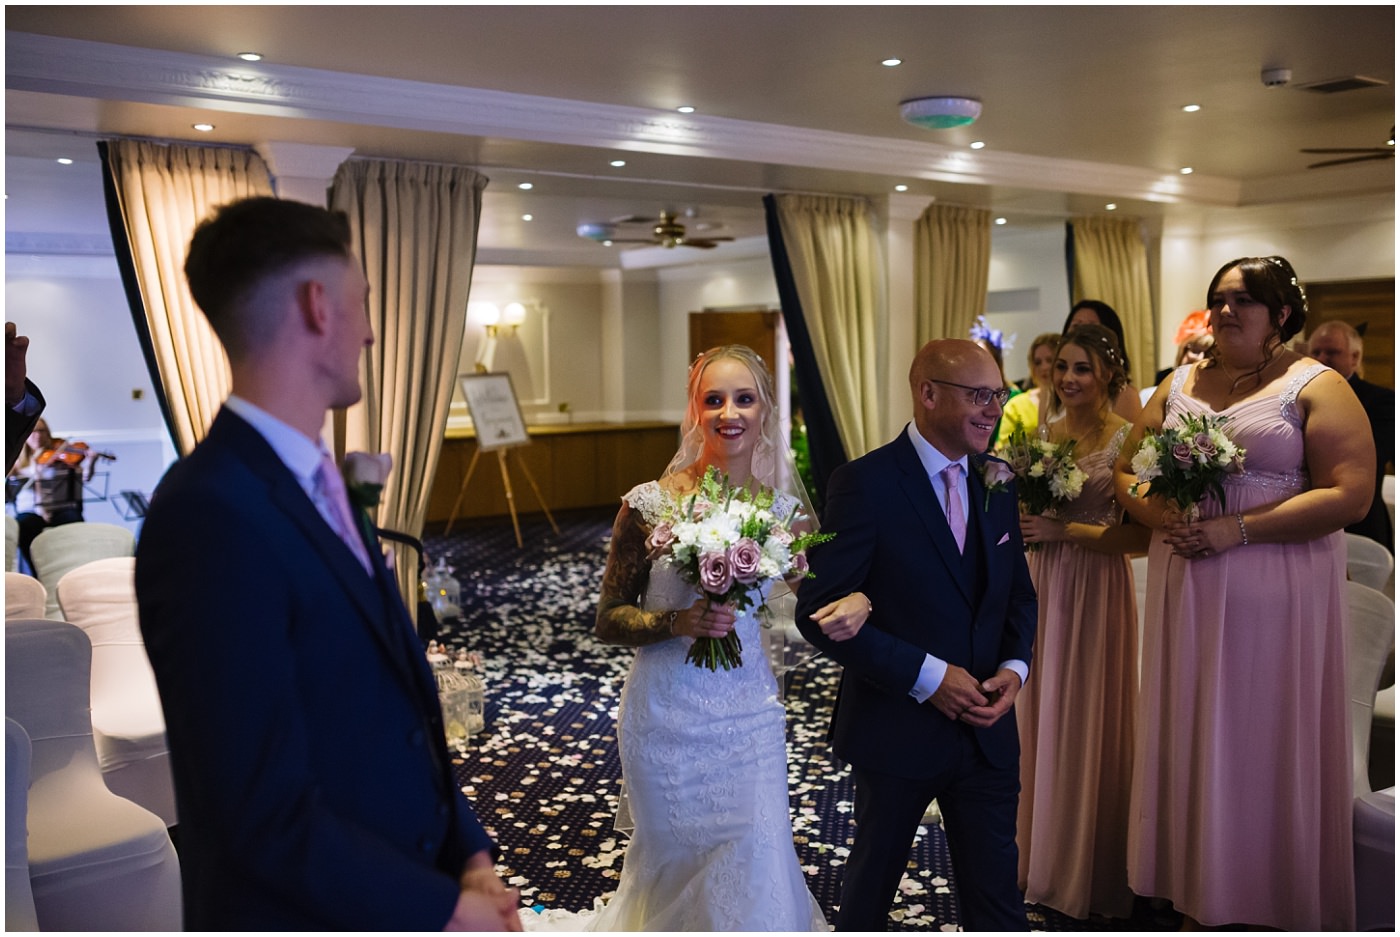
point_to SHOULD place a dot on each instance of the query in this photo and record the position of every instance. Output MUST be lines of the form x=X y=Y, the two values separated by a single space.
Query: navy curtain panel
x=1069 y=259
x=126 y=266
x=823 y=441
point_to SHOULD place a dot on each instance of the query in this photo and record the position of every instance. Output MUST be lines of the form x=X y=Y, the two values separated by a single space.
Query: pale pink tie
x=334 y=503
x=957 y=518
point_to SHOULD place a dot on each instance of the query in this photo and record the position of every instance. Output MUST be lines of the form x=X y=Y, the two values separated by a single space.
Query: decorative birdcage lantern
x=444 y=591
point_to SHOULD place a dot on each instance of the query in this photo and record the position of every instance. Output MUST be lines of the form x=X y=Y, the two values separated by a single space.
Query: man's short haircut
x=245 y=243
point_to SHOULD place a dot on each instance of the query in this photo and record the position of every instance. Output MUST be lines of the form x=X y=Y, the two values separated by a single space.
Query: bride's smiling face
x=730 y=408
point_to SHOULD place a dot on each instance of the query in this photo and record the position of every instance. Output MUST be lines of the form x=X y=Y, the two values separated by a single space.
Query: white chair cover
x=1374 y=849
x=19 y=897
x=1372 y=622
x=128 y=724
x=59 y=550
x=25 y=596
x=97 y=862
x=11 y=544
x=1370 y=564
x=1388 y=496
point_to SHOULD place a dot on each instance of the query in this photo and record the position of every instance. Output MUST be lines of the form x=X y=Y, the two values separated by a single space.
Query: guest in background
x=1242 y=782
x=1338 y=345
x=1028 y=410
x=928 y=685
x=704 y=752
x=1193 y=340
x=312 y=778
x=1128 y=402
x=1075 y=713
x=23 y=402
x=56 y=469
x=994 y=342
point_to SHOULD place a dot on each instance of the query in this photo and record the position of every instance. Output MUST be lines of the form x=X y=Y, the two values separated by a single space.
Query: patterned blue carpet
x=544 y=775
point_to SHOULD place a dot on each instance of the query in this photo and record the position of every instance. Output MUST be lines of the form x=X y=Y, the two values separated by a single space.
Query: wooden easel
x=510 y=495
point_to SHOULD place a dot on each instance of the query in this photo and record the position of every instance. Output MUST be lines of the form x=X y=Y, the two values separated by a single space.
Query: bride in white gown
x=704 y=757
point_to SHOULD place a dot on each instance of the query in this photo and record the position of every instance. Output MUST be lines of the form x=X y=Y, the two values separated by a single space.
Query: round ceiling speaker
x=940 y=113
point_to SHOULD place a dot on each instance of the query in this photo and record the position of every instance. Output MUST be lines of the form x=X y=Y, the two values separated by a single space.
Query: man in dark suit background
x=1338 y=345
x=312 y=779
x=23 y=402
x=924 y=709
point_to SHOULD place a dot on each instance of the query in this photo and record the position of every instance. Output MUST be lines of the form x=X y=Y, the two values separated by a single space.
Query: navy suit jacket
x=893 y=543
x=311 y=775
x=1379 y=403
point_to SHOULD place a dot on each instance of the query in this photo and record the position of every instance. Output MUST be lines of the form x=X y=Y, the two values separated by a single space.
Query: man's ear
x=314 y=305
x=927 y=392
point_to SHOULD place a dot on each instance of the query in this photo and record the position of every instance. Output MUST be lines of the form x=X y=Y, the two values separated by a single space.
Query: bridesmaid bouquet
x=727 y=541
x=1046 y=473
x=1187 y=462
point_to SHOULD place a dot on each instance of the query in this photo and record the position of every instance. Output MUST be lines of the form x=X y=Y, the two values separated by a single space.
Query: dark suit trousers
x=978 y=803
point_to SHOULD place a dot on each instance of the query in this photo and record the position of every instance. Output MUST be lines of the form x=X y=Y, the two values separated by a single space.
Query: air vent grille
x=1338 y=85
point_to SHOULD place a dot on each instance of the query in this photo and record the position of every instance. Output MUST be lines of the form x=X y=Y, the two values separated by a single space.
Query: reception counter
x=578 y=465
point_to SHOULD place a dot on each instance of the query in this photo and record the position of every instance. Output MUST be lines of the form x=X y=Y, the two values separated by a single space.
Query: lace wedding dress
x=704 y=764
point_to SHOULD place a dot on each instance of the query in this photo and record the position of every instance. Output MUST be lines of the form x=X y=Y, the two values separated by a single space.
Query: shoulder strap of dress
x=1288 y=400
x=1121 y=436
x=1179 y=377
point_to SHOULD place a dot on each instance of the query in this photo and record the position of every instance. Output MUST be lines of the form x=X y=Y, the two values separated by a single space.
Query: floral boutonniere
x=996 y=474
x=365 y=474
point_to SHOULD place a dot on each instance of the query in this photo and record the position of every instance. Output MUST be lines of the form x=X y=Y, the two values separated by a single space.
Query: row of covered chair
x=88 y=789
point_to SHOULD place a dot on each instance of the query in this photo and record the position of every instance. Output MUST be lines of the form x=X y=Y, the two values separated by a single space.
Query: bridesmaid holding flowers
x=1075 y=713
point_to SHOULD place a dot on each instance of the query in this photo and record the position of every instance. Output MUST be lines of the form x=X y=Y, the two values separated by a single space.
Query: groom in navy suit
x=312 y=779
x=924 y=709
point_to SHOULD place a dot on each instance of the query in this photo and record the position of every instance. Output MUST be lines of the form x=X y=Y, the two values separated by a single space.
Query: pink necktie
x=957 y=518
x=335 y=507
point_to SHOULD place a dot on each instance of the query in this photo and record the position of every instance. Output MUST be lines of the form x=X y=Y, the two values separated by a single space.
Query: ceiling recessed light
x=901 y=188
x=1186 y=170
x=618 y=163
x=1001 y=221
x=976 y=144
x=891 y=63
x=203 y=128
x=607 y=243
x=64 y=161
x=1111 y=206
x=250 y=56
x=686 y=109
x=526 y=186
x=527 y=217
x=1191 y=108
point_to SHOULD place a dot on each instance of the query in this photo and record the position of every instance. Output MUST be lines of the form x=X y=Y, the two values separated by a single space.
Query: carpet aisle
x=544 y=775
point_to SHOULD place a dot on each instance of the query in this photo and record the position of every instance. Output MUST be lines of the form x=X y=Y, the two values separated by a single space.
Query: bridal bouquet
x=727 y=541
x=1046 y=473
x=1185 y=463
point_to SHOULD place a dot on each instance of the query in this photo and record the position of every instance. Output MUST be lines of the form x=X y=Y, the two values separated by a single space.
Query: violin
x=71 y=454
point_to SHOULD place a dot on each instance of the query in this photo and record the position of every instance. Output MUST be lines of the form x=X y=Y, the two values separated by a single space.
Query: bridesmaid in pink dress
x=1242 y=786
x=1075 y=713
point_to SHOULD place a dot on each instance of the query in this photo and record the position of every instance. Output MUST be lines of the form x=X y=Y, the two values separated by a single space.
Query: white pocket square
x=1005 y=538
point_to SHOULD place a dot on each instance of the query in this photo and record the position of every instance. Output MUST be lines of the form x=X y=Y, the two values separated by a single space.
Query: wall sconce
x=497 y=323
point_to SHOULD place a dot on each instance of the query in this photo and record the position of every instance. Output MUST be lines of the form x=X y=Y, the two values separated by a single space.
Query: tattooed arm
x=620 y=619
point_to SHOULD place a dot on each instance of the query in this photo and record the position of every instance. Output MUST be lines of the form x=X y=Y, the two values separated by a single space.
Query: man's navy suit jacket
x=894 y=545
x=312 y=779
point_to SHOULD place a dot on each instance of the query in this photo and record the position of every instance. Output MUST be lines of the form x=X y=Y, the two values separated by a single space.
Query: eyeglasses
x=981 y=396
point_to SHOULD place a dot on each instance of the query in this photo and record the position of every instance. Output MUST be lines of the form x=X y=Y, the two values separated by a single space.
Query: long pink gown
x=1242 y=787
x=1075 y=715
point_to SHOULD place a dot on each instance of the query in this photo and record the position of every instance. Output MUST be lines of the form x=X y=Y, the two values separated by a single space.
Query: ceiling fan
x=666 y=231
x=1359 y=154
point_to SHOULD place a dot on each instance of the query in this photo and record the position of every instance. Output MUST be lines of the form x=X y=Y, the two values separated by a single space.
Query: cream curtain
x=952 y=254
x=835 y=259
x=164 y=191
x=1110 y=264
x=414 y=226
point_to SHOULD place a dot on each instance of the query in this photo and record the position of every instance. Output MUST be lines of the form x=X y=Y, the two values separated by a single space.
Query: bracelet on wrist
x=671 y=621
x=1244 y=534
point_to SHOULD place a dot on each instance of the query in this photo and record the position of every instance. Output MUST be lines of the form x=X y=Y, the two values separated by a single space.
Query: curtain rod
x=100 y=137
